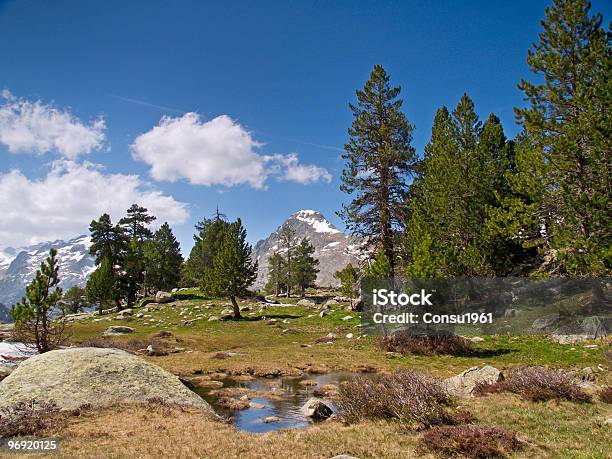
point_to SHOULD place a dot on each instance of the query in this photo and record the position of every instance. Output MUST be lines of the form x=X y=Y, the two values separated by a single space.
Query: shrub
x=406 y=395
x=605 y=394
x=426 y=345
x=538 y=384
x=29 y=418
x=470 y=441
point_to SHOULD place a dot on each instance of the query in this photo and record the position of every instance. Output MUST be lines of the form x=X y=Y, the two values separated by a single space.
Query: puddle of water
x=292 y=396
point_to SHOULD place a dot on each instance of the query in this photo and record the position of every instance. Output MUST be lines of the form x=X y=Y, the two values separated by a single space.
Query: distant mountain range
x=333 y=248
x=18 y=266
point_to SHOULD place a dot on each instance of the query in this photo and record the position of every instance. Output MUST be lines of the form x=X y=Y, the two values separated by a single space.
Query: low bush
x=605 y=394
x=408 y=396
x=29 y=418
x=471 y=441
x=538 y=384
x=426 y=345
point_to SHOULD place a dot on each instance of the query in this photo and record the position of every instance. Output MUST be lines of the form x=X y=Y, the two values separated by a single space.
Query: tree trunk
x=236 y=307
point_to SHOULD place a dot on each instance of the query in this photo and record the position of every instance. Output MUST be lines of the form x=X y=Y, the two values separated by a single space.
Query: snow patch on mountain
x=18 y=266
x=333 y=248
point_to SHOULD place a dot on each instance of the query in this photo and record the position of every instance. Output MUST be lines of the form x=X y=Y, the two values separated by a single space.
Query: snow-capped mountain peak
x=18 y=266
x=333 y=248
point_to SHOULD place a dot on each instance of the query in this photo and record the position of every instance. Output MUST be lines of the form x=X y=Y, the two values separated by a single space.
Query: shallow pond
x=287 y=396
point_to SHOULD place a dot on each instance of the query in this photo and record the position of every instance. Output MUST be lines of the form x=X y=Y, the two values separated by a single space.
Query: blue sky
x=279 y=74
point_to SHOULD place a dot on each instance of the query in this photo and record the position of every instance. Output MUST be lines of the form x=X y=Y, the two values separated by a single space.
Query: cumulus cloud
x=215 y=152
x=34 y=127
x=61 y=204
x=288 y=168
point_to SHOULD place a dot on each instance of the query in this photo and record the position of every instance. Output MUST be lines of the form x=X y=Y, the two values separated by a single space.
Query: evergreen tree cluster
x=220 y=261
x=292 y=267
x=476 y=203
x=131 y=259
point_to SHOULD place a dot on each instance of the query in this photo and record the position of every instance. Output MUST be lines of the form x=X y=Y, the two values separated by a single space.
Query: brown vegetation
x=426 y=345
x=408 y=396
x=471 y=441
x=537 y=384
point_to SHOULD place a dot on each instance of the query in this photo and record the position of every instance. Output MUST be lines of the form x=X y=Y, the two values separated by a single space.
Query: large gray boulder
x=77 y=376
x=597 y=326
x=546 y=322
x=463 y=384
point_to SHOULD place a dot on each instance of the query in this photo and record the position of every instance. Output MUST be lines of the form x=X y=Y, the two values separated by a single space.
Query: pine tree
x=462 y=177
x=109 y=243
x=233 y=270
x=101 y=285
x=137 y=222
x=163 y=259
x=287 y=243
x=137 y=231
x=569 y=139
x=73 y=300
x=380 y=161
x=305 y=266
x=276 y=273
x=34 y=325
x=379 y=269
x=349 y=282
x=206 y=245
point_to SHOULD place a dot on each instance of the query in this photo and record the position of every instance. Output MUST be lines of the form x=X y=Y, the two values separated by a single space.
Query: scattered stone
x=245 y=308
x=463 y=384
x=257 y=406
x=545 y=322
x=307 y=303
x=347 y=318
x=324 y=312
x=186 y=323
x=213 y=318
x=476 y=339
x=140 y=315
x=349 y=335
x=315 y=408
x=510 y=313
x=117 y=330
x=227 y=314
x=286 y=321
x=271 y=322
x=569 y=339
x=271 y=419
x=163 y=297
x=305 y=345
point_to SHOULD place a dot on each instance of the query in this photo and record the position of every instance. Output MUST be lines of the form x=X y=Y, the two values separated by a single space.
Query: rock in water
x=73 y=377
x=315 y=408
x=463 y=384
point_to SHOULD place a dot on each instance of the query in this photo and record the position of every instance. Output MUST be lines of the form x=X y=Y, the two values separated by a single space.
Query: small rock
x=307 y=303
x=163 y=297
x=257 y=406
x=347 y=318
x=140 y=315
x=545 y=322
x=186 y=323
x=117 y=330
x=271 y=419
x=324 y=313
x=213 y=318
x=315 y=408
x=476 y=339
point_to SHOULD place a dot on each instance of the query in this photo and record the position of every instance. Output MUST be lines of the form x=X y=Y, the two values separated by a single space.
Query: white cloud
x=63 y=203
x=34 y=127
x=215 y=152
x=290 y=169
